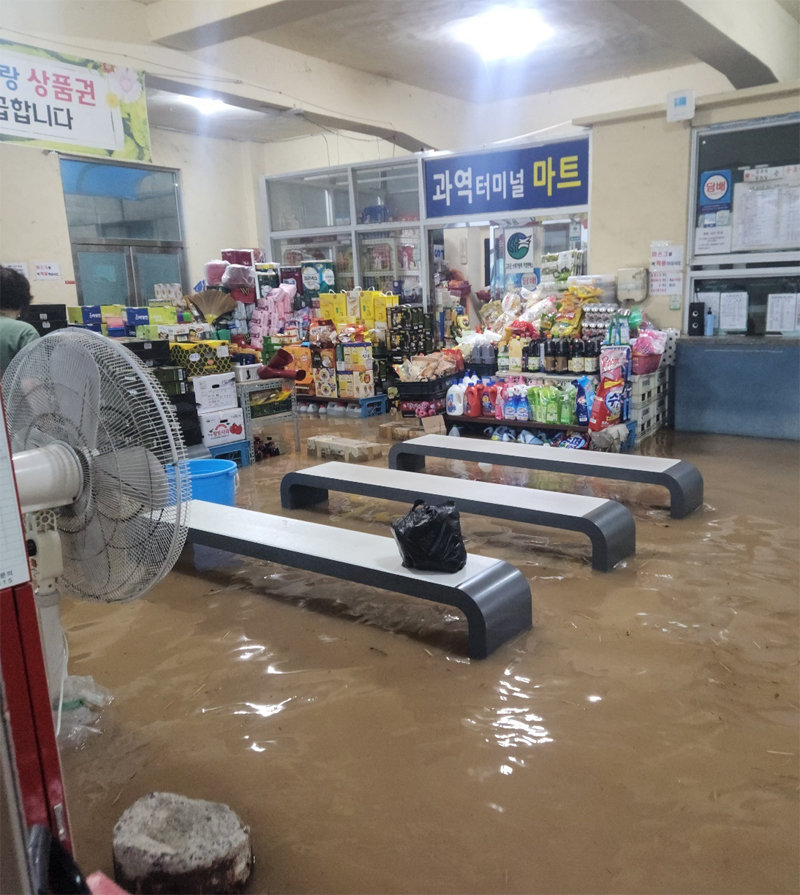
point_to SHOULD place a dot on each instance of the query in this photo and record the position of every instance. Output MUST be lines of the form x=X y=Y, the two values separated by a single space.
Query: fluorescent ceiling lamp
x=503 y=32
x=206 y=105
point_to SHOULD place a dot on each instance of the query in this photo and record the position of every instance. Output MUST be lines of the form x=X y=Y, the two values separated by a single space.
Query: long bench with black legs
x=608 y=524
x=682 y=479
x=494 y=596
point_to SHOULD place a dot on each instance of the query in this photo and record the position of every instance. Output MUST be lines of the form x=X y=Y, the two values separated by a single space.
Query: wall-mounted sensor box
x=632 y=283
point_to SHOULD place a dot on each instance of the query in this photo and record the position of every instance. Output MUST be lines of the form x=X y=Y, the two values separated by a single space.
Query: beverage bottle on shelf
x=532 y=362
x=562 y=355
x=549 y=356
x=576 y=363
x=591 y=359
x=502 y=359
x=515 y=355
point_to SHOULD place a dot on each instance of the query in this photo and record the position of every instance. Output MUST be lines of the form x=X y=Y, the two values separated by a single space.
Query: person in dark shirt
x=15 y=297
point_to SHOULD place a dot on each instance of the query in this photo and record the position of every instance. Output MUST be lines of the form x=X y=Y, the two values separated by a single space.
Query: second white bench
x=608 y=524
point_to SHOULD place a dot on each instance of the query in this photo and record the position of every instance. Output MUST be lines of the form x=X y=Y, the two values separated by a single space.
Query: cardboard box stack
x=221 y=419
x=354 y=370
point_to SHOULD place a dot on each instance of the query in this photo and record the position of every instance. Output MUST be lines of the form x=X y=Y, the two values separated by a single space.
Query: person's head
x=15 y=290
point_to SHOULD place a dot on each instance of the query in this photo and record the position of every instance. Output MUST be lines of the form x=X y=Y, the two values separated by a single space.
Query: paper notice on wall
x=781 y=312
x=733 y=311
x=666 y=268
x=666 y=282
x=19 y=266
x=47 y=270
x=666 y=256
x=712 y=240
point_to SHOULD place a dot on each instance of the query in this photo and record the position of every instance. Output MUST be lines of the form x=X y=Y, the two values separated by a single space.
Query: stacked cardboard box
x=221 y=419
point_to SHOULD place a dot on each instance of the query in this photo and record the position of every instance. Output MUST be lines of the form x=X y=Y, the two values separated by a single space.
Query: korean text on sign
x=544 y=172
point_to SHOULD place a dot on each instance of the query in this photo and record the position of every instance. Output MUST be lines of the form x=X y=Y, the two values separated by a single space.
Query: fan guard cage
x=127 y=527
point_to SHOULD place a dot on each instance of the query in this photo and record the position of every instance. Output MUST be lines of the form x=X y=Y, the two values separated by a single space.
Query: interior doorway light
x=206 y=105
x=503 y=32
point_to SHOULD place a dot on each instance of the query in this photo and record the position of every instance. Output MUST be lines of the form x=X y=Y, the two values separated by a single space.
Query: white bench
x=682 y=479
x=493 y=595
x=608 y=524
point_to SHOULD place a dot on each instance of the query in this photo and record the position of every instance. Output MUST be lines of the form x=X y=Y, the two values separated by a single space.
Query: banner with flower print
x=55 y=101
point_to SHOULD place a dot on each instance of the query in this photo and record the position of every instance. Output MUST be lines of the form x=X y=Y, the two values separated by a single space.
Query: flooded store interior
x=641 y=738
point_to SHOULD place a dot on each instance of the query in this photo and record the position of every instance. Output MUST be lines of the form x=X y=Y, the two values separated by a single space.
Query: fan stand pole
x=48 y=609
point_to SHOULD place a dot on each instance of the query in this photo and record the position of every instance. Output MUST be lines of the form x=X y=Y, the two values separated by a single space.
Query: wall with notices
x=640 y=184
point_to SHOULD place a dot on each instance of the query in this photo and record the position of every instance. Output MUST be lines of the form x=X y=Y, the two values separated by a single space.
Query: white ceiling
x=408 y=41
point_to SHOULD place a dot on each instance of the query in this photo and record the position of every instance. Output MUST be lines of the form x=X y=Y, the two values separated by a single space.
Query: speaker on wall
x=697 y=316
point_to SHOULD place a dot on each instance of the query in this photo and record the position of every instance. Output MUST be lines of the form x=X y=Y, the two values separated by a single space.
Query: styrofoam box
x=222 y=426
x=216 y=391
x=246 y=372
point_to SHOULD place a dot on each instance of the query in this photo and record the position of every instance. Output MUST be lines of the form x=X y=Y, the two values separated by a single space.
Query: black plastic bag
x=429 y=538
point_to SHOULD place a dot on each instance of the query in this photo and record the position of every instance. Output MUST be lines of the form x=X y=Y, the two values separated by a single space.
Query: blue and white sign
x=715 y=191
x=552 y=176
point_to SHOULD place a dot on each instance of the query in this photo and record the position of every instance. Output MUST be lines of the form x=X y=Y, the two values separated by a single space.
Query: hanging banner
x=521 y=264
x=54 y=101
x=552 y=176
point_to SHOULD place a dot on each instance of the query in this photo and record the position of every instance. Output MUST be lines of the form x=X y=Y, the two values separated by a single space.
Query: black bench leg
x=685 y=489
x=296 y=496
x=612 y=531
x=401 y=459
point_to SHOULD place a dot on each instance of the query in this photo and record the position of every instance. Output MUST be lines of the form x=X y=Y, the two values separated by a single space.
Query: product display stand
x=681 y=479
x=252 y=411
x=372 y=405
x=609 y=526
x=494 y=596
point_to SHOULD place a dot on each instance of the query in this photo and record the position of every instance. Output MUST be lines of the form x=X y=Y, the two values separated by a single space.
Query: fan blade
x=129 y=481
x=76 y=388
x=88 y=559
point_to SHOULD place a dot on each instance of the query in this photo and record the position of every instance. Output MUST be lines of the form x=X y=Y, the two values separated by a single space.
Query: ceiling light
x=503 y=32
x=206 y=105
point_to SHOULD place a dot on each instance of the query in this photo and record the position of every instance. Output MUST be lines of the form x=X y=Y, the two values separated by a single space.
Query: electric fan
x=101 y=473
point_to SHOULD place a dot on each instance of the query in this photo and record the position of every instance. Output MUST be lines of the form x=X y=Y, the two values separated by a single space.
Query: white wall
x=220 y=191
x=33 y=220
x=640 y=181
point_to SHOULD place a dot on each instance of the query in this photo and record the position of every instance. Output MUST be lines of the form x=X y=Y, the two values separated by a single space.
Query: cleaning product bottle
x=454 y=401
x=499 y=401
x=472 y=404
x=523 y=411
x=488 y=398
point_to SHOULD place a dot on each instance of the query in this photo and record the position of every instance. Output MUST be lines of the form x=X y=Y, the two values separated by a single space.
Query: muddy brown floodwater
x=641 y=738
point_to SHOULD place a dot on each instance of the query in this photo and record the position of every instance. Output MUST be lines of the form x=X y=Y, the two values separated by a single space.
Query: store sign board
x=552 y=176
x=55 y=101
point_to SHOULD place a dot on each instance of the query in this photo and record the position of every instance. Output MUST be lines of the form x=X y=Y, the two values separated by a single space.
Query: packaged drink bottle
x=576 y=362
x=549 y=356
x=562 y=355
x=591 y=359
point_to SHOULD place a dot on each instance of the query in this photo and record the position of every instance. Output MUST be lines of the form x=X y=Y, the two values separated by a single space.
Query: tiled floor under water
x=641 y=738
